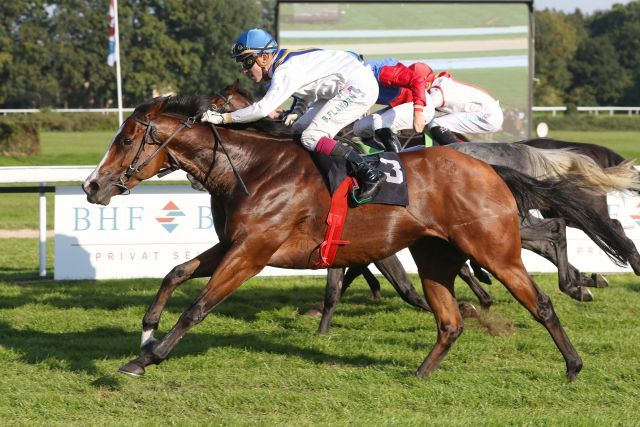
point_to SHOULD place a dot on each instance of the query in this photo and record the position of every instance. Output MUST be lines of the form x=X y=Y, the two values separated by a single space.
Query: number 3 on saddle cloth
x=343 y=189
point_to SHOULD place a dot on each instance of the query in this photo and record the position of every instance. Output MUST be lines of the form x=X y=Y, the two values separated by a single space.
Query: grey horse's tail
x=581 y=169
x=562 y=196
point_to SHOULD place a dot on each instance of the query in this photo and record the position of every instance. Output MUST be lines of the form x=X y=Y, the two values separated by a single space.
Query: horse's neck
x=251 y=154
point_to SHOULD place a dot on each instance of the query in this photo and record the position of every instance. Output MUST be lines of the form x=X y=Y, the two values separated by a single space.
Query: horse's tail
x=582 y=169
x=563 y=197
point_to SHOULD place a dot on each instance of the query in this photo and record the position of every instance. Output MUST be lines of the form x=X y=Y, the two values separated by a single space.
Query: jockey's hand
x=275 y=114
x=289 y=119
x=215 y=118
x=418 y=121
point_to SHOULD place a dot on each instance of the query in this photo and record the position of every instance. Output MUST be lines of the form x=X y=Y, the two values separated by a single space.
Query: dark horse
x=460 y=208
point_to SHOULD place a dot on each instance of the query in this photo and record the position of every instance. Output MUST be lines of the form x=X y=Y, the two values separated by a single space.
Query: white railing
x=5 y=111
x=611 y=110
x=553 y=110
x=590 y=110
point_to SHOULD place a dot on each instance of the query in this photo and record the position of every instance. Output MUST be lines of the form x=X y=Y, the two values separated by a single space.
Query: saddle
x=334 y=171
x=393 y=192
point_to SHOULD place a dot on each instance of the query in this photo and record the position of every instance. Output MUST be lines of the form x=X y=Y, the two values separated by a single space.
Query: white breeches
x=397 y=118
x=489 y=120
x=328 y=117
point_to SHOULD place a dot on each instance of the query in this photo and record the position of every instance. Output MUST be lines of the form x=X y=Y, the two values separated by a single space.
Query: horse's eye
x=127 y=141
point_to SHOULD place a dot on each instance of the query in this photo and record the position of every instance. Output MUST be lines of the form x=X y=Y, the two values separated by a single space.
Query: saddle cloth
x=393 y=191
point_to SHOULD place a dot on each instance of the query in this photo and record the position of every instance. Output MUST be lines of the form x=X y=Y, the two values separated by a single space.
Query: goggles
x=247 y=61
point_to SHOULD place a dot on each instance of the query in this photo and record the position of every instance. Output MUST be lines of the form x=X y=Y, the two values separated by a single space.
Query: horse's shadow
x=79 y=352
x=245 y=304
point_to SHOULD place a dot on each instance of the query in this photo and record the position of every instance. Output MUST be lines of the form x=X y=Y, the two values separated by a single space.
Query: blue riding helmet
x=252 y=43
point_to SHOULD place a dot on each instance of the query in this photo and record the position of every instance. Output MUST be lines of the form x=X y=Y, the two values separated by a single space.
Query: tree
x=26 y=60
x=621 y=25
x=597 y=72
x=555 y=44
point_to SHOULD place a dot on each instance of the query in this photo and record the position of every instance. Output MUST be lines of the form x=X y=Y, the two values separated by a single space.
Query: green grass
x=625 y=143
x=407 y=16
x=257 y=360
x=66 y=148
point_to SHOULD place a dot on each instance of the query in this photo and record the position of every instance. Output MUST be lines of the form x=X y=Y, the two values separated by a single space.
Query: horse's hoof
x=585 y=295
x=599 y=280
x=572 y=372
x=468 y=310
x=133 y=368
x=315 y=311
x=376 y=294
x=579 y=293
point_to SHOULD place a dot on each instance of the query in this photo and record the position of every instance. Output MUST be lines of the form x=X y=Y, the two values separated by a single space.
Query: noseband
x=134 y=168
x=226 y=101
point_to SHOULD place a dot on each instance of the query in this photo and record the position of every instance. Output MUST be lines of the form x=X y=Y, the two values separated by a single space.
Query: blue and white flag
x=111 y=59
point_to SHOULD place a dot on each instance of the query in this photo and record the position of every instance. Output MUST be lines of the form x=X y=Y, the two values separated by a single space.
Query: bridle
x=134 y=168
x=226 y=102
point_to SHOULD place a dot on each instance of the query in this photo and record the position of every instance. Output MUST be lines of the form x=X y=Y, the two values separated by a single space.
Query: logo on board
x=169 y=219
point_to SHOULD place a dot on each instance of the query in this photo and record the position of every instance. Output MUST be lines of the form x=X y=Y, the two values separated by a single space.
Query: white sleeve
x=282 y=87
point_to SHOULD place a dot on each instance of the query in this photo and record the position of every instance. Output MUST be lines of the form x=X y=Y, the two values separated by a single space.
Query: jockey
x=405 y=90
x=338 y=88
x=464 y=108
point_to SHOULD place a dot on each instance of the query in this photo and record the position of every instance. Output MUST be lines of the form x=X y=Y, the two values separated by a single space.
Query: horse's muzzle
x=95 y=193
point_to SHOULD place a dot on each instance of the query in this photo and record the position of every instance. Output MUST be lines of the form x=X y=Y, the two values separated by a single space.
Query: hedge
x=19 y=138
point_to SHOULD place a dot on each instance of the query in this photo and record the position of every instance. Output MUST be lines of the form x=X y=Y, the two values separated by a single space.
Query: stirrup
x=354 y=193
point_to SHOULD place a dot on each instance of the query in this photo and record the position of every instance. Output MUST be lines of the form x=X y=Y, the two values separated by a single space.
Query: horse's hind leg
x=438 y=264
x=480 y=274
x=634 y=259
x=202 y=265
x=547 y=237
x=508 y=268
x=475 y=286
x=392 y=269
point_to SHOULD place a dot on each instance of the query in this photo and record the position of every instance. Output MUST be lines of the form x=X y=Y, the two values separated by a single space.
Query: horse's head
x=139 y=150
x=231 y=98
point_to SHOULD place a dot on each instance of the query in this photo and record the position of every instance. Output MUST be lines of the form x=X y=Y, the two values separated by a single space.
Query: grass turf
x=258 y=360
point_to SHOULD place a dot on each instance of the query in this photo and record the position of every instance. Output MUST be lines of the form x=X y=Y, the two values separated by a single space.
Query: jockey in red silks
x=336 y=85
x=461 y=108
x=404 y=89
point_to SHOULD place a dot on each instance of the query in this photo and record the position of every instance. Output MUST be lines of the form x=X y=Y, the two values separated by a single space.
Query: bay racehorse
x=459 y=208
x=546 y=237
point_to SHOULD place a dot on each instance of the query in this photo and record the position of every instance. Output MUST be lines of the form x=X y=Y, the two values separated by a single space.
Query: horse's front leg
x=335 y=277
x=201 y=266
x=239 y=264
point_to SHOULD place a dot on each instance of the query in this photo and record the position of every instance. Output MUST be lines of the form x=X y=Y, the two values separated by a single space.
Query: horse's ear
x=234 y=86
x=158 y=106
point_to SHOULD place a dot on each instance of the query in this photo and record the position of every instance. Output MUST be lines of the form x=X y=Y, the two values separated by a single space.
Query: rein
x=134 y=168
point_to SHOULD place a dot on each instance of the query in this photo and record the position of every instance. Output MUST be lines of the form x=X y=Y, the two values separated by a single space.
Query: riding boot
x=442 y=135
x=369 y=178
x=388 y=139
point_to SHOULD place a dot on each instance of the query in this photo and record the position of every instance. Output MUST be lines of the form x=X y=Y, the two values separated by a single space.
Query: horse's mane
x=246 y=94
x=194 y=105
x=187 y=105
x=271 y=127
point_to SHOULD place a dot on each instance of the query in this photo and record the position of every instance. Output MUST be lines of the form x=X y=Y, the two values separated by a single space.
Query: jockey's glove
x=289 y=119
x=216 y=118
